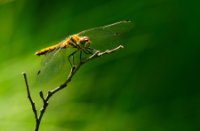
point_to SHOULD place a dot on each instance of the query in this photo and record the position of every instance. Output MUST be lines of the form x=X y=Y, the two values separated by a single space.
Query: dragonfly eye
x=84 y=41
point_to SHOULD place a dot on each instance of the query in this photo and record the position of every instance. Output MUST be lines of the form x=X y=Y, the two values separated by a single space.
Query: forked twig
x=74 y=69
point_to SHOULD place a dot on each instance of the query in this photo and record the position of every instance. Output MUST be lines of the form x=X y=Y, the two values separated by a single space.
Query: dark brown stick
x=30 y=99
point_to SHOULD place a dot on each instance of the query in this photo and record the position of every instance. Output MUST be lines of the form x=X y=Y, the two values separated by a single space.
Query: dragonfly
x=81 y=43
x=85 y=43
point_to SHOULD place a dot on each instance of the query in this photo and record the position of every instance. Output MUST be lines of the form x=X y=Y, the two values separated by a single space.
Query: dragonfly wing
x=54 y=67
x=106 y=37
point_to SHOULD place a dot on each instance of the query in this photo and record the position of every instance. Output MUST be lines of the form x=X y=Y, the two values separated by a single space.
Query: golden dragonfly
x=84 y=42
x=81 y=43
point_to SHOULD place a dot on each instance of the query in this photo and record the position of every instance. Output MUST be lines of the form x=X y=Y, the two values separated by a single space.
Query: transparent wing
x=109 y=36
x=55 y=68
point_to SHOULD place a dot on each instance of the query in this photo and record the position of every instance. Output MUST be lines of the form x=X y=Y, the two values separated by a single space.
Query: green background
x=151 y=85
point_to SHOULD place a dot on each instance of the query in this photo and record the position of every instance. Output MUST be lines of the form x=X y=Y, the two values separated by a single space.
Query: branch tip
x=121 y=46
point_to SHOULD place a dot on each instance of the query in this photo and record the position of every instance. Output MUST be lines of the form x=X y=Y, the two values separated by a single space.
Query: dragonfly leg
x=90 y=50
x=80 y=55
x=86 y=51
x=72 y=55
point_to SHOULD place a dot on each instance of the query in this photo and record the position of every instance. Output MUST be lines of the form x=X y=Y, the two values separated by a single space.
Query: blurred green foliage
x=150 y=85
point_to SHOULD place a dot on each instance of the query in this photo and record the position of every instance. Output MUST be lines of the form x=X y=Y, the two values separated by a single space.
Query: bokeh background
x=151 y=85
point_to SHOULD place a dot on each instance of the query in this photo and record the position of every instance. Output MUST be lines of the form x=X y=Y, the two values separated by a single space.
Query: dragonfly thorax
x=80 y=42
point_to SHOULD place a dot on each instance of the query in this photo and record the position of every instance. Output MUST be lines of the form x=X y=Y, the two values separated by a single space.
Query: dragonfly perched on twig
x=84 y=43
x=81 y=43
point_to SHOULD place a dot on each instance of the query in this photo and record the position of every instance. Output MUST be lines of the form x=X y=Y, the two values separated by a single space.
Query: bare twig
x=50 y=93
x=30 y=98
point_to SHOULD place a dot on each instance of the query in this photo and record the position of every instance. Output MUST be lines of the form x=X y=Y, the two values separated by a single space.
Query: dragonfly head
x=84 y=42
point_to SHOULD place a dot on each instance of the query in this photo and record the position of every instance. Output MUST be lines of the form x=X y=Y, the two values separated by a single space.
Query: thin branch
x=30 y=98
x=50 y=93
x=99 y=54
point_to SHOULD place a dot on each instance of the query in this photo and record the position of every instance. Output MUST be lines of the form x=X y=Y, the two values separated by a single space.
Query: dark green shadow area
x=150 y=85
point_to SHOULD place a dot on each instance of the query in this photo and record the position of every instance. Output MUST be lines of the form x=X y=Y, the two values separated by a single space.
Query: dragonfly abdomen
x=48 y=49
x=64 y=44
